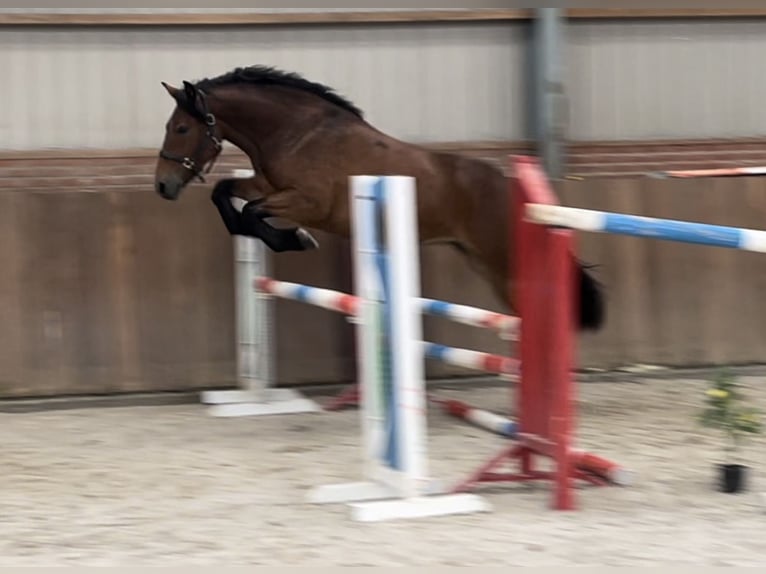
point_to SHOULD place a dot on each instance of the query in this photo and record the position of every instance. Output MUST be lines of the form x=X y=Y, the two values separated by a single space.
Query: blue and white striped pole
x=649 y=227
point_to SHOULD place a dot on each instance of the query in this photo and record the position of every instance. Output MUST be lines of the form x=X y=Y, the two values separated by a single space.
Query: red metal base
x=563 y=500
x=348 y=397
x=545 y=292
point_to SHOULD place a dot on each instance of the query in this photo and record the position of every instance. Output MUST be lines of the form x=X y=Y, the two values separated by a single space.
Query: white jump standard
x=393 y=403
x=255 y=359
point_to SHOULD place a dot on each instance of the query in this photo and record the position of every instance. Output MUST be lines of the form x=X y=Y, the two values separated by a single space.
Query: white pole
x=255 y=339
x=256 y=364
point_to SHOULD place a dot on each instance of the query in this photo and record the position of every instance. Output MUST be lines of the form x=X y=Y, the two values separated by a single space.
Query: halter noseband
x=188 y=162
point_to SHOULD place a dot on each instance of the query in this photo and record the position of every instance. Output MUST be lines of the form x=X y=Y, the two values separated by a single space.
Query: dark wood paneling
x=183 y=288
x=99 y=169
x=107 y=288
x=12 y=376
x=113 y=291
x=314 y=345
x=672 y=303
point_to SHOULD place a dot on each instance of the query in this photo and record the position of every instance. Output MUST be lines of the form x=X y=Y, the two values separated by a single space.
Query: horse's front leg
x=277 y=239
x=295 y=205
x=223 y=191
x=251 y=221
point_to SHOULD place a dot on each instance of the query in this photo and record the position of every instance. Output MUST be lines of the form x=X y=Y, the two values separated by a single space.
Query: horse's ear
x=193 y=97
x=175 y=93
x=190 y=91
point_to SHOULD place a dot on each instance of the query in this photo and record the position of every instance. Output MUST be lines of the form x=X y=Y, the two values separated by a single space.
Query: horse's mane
x=265 y=75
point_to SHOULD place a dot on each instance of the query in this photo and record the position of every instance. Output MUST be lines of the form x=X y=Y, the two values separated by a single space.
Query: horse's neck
x=245 y=125
x=263 y=124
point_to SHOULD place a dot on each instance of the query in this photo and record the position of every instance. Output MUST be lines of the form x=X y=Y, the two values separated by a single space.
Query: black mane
x=264 y=75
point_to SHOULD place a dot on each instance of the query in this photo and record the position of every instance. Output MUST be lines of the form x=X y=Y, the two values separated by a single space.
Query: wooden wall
x=107 y=288
x=111 y=290
x=674 y=303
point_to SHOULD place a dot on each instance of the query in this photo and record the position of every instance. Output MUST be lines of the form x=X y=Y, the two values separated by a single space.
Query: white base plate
x=422 y=507
x=375 y=502
x=237 y=403
x=349 y=492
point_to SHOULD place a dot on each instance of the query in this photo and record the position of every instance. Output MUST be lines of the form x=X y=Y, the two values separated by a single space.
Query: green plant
x=724 y=410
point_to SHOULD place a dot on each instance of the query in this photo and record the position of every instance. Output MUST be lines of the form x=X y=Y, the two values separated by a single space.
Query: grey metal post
x=549 y=102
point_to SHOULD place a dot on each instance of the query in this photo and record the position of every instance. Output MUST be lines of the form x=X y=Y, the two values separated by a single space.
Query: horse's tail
x=592 y=311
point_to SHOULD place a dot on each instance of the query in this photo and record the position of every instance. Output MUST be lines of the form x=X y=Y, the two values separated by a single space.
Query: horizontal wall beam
x=351 y=17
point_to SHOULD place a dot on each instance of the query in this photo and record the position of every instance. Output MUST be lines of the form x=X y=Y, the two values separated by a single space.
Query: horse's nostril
x=161 y=188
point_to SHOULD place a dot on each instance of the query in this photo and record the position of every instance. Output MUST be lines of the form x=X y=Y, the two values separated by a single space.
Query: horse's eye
x=182 y=129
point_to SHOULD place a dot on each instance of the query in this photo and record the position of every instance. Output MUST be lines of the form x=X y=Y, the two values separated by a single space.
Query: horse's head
x=191 y=143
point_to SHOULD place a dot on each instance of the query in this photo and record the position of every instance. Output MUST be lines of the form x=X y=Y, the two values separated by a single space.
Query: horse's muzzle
x=168 y=189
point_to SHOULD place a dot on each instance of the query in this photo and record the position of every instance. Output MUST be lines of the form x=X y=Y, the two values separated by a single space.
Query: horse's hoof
x=237 y=203
x=306 y=239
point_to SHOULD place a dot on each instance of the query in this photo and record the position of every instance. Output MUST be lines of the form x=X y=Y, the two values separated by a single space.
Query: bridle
x=209 y=120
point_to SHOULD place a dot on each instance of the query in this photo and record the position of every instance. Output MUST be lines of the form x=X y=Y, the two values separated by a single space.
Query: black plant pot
x=732 y=477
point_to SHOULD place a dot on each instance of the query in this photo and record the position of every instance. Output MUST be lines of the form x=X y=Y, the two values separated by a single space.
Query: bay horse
x=304 y=141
